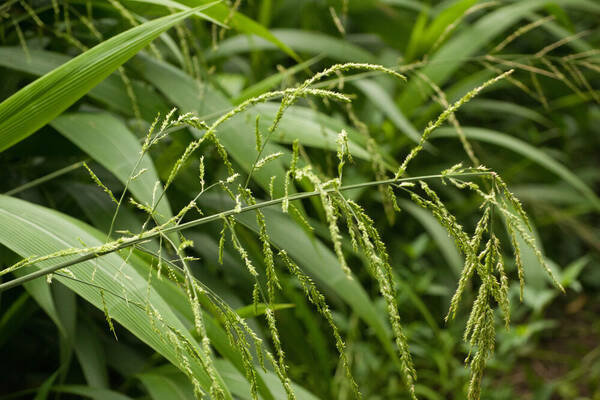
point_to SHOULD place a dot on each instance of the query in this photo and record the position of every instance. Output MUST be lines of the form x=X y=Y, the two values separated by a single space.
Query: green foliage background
x=82 y=82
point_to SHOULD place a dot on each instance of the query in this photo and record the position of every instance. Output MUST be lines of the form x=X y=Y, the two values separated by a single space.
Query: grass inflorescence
x=481 y=250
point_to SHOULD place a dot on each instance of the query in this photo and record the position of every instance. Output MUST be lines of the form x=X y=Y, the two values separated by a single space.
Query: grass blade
x=42 y=100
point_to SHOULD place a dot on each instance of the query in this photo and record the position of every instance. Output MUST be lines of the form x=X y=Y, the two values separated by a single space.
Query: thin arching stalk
x=158 y=231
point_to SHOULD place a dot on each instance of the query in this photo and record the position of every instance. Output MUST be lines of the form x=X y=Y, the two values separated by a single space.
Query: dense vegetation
x=380 y=199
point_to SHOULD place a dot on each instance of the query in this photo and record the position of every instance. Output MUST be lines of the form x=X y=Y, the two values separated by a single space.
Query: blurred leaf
x=240 y=387
x=14 y=316
x=273 y=80
x=571 y=272
x=250 y=310
x=527 y=151
x=502 y=108
x=380 y=98
x=40 y=292
x=445 y=244
x=221 y=13
x=167 y=383
x=90 y=392
x=301 y=41
x=91 y=356
x=44 y=390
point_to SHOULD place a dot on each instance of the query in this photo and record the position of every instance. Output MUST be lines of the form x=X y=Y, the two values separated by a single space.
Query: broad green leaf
x=30 y=229
x=527 y=151
x=230 y=84
x=124 y=359
x=40 y=292
x=42 y=100
x=111 y=91
x=178 y=87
